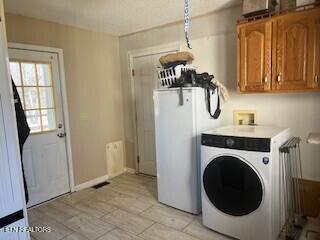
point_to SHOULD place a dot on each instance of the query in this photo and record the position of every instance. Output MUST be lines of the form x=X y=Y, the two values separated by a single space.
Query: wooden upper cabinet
x=293 y=52
x=280 y=53
x=316 y=49
x=254 y=57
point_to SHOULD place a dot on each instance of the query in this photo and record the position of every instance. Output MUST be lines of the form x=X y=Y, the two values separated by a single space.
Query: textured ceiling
x=117 y=17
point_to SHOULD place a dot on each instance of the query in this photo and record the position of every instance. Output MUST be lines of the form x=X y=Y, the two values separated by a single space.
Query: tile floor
x=126 y=209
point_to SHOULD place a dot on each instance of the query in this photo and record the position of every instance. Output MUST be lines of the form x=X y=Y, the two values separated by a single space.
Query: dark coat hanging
x=23 y=130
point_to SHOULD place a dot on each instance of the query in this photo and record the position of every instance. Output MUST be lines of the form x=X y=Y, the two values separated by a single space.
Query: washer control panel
x=239 y=143
x=230 y=142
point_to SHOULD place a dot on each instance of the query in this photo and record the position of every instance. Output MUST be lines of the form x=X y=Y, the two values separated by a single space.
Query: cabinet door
x=293 y=53
x=254 y=57
x=316 y=53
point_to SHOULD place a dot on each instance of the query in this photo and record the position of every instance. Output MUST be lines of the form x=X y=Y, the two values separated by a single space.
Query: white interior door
x=145 y=81
x=36 y=75
x=12 y=204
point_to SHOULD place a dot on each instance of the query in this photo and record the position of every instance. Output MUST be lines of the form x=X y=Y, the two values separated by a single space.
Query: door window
x=232 y=186
x=35 y=87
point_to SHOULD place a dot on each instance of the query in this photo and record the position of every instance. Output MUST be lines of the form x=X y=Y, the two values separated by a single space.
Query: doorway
x=145 y=79
x=45 y=159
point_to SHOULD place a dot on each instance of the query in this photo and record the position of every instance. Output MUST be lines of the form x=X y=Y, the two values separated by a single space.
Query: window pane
x=48 y=119
x=19 y=89
x=33 y=118
x=31 y=98
x=15 y=73
x=46 y=97
x=44 y=74
x=28 y=74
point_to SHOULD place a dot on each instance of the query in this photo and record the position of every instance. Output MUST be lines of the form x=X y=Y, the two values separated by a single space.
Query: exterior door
x=294 y=58
x=254 y=56
x=12 y=203
x=36 y=75
x=145 y=81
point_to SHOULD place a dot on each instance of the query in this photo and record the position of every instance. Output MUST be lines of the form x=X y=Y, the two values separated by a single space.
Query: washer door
x=232 y=186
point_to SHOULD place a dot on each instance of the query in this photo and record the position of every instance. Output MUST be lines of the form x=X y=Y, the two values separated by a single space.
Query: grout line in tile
x=68 y=235
x=114 y=227
x=184 y=228
x=101 y=218
x=146 y=209
x=139 y=235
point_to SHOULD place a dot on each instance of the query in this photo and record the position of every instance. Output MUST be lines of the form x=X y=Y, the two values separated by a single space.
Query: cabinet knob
x=316 y=79
x=266 y=79
x=279 y=78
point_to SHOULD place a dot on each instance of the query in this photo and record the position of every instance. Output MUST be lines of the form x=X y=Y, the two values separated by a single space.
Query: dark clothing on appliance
x=23 y=130
x=190 y=78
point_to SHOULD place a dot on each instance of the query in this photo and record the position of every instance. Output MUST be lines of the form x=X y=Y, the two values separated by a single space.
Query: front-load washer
x=240 y=181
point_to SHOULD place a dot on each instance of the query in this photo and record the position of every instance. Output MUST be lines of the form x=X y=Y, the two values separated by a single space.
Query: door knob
x=61 y=135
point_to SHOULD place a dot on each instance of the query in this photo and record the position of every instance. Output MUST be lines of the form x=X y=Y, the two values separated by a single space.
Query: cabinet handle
x=279 y=78
x=316 y=79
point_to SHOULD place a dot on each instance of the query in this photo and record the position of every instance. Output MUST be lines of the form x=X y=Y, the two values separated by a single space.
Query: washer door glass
x=232 y=186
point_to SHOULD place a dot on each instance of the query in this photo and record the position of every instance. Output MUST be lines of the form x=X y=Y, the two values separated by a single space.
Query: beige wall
x=92 y=69
x=214 y=46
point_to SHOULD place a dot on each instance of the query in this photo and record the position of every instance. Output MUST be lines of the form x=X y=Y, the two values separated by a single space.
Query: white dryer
x=240 y=181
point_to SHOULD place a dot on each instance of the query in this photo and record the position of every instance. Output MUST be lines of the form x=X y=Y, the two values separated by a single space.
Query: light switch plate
x=244 y=117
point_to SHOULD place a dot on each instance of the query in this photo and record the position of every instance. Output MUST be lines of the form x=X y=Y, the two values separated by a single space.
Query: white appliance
x=240 y=181
x=178 y=127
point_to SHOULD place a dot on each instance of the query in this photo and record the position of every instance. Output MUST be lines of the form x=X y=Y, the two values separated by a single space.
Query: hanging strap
x=180 y=96
x=217 y=113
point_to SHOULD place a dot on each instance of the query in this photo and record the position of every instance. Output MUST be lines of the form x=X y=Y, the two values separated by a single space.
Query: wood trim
x=268 y=56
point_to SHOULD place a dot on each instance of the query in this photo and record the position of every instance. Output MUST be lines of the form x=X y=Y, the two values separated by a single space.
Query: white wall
x=214 y=46
x=93 y=87
x=300 y=112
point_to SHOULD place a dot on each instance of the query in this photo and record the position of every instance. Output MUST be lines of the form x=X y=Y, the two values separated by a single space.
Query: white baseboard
x=101 y=179
x=116 y=174
x=130 y=170
x=91 y=183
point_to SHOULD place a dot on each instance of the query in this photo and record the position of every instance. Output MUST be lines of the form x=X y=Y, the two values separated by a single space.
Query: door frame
x=176 y=46
x=59 y=52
